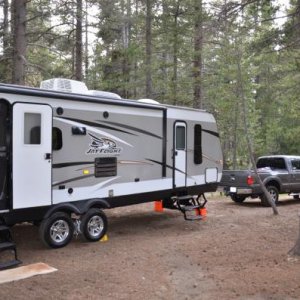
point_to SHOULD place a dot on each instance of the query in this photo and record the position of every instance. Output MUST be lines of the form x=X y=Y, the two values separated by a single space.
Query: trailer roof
x=31 y=91
x=37 y=92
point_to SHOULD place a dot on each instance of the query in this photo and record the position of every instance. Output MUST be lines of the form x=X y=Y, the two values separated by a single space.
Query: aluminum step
x=188 y=204
x=3 y=227
x=10 y=264
x=7 y=246
x=190 y=207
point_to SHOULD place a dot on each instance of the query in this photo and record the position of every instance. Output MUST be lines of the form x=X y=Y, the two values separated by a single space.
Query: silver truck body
x=279 y=171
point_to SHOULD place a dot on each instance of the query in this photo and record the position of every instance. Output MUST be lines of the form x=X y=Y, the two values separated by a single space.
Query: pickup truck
x=279 y=173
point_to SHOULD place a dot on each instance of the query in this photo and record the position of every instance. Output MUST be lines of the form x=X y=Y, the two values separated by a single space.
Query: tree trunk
x=148 y=48
x=126 y=37
x=6 y=76
x=175 y=55
x=234 y=144
x=5 y=26
x=298 y=24
x=78 y=43
x=247 y=133
x=86 y=60
x=198 y=48
x=19 y=41
x=135 y=62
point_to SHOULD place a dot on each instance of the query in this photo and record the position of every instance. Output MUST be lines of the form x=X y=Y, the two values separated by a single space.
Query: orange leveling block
x=158 y=206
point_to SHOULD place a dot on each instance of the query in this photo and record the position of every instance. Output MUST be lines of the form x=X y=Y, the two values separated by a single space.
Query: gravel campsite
x=239 y=251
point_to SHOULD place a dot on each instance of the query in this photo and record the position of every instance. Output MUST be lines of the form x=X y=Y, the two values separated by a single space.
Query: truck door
x=179 y=154
x=32 y=151
x=295 y=164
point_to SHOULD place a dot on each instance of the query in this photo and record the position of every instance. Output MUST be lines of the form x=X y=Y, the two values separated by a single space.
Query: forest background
x=211 y=54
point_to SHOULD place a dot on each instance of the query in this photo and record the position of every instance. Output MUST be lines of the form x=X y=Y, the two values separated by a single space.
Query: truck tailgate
x=235 y=178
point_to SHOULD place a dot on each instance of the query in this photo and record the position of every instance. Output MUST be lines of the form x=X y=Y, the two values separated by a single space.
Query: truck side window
x=57 y=141
x=275 y=163
x=32 y=128
x=198 y=144
x=296 y=165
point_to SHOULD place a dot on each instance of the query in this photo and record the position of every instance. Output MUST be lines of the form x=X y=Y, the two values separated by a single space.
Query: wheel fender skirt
x=101 y=203
x=67 y=207
x=77 y=208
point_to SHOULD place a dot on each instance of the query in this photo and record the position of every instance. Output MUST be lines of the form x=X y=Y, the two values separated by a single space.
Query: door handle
x=48 y=156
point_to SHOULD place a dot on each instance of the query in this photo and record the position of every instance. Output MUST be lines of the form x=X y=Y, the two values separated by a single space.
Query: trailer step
x=7 y=249
x=3 y=227
x=190 y=206
x=7 y=246
x=10 y=264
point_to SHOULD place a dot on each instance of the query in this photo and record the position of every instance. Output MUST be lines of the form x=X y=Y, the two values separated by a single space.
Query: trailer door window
x=32 y=129
x=198 y=144
x=180 y=138
x=57 y=142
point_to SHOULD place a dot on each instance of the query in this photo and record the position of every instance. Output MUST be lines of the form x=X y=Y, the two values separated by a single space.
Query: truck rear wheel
x=57 y=230
x=238 y=198
x=274 y=193
x=94 y=225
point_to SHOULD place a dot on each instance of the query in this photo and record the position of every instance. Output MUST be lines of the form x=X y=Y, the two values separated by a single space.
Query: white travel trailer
x=65 y=156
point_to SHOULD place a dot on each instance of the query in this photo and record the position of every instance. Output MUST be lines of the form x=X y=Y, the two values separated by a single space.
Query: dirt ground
x=237 y=252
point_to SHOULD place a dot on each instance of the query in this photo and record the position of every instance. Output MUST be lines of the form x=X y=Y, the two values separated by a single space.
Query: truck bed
x=240 y=182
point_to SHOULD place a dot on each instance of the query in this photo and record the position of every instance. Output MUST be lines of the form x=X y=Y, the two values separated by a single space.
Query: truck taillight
x=250 y=180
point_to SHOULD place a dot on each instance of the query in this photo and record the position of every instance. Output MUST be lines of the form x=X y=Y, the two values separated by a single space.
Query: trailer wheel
x=274 y=193
x=296 y=197
x=94 y=225
x=237 y=198
x=57 y=230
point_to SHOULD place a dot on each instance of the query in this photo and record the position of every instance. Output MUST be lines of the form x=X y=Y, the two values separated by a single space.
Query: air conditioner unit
x=64 y=85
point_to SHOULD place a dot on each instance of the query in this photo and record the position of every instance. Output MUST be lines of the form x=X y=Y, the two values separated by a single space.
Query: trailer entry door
x=32 y=151
x=180 y=154
x=4 y=154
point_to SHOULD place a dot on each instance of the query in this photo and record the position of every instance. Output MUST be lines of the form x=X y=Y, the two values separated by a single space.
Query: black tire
x=296 y=197
x=57 y=230
x=93 y=225
x=274 y=195
x=237 y=198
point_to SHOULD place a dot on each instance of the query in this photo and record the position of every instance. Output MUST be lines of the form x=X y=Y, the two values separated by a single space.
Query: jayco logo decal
x=102 y=146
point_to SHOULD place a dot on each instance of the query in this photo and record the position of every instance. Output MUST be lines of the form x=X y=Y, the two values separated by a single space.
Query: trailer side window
x=32 y=129
x=198 y=144
x=57 y=142
x=180 y=138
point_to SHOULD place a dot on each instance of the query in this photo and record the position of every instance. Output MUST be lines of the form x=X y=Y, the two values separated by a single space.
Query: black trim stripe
x=93 y=124
x=71 y=164
x=133 y=128
x=170 y=167
x=211 y=132
x=73 y=179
